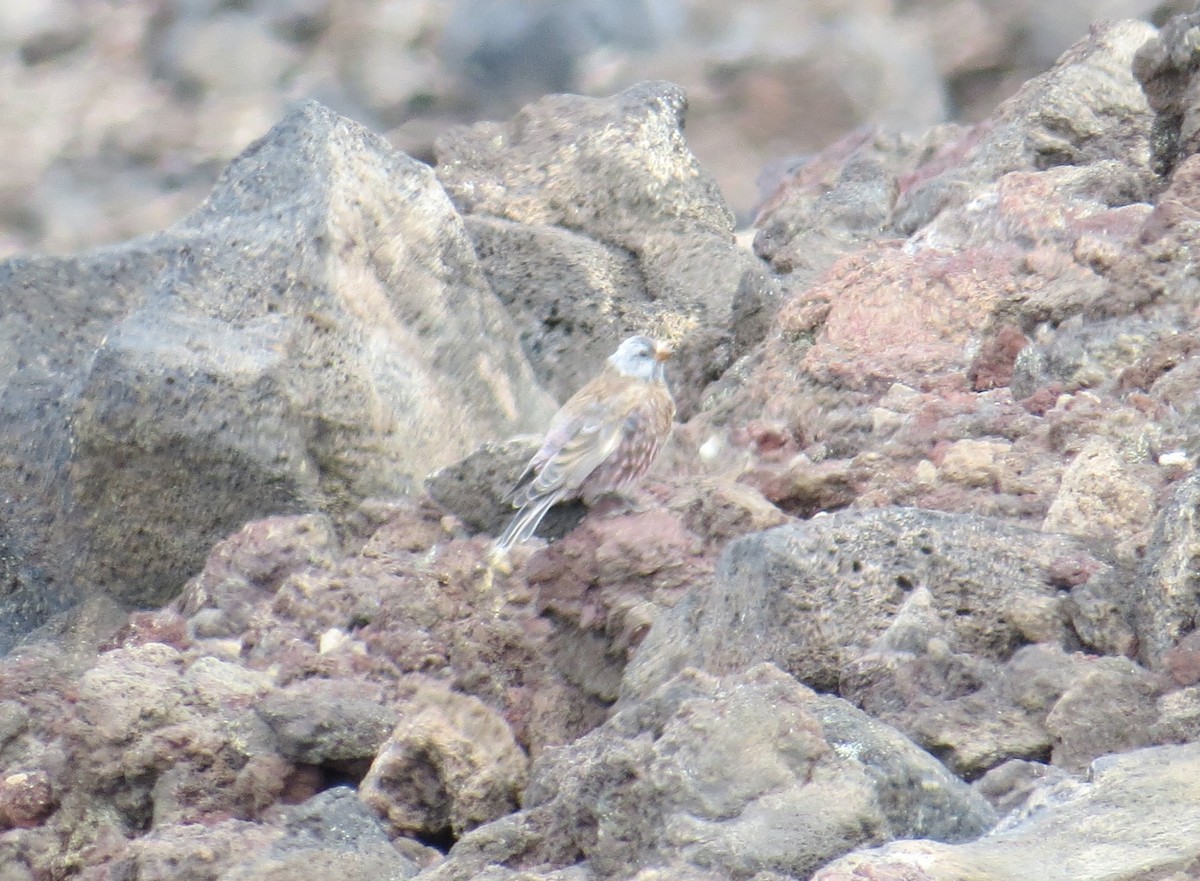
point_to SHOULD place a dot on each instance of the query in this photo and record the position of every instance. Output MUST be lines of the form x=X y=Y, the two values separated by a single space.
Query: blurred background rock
x=115 y=117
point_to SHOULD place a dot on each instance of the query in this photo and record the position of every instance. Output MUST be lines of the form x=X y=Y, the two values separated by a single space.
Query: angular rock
x=835 y=202
x=1138 y=818
x=197 y=853
x=594 y=220
x=331 y=834
x=1168 y=581
x=1102 y=497
x=1166 y=67
x=1088 y=108
x=812 y=597
x=475 y=489
x=746 y=774
x=316 y=332
x=323 y=723
x=1042 y=704
x=1109 y=707
x=450 y=765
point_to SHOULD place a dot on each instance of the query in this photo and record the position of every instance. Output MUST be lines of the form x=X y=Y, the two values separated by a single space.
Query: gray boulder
x=317 y=332
x=814 y=596
x=1138 y=818
x=735 y=776
x=333 y=834
x=1168 y=600
x=593 y=220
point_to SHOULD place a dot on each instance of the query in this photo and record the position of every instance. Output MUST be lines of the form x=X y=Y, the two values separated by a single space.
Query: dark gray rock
x=319 y=728
x=331 y=834
x=616 y=171
x=317 y=332
x=474 y=489
x=750 y=773
x=1168 y=600
x=813 y=596
x=836 y=202
x=1166 y=66
x=919 y=795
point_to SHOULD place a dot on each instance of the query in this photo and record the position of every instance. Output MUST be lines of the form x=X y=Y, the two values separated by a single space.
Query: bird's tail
x=525 y=522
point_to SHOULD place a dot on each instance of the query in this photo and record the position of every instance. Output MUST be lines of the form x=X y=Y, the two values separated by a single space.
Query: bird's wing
x=584 y=433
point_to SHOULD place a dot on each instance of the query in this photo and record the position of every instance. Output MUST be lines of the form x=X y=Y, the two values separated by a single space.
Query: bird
x=602 y=440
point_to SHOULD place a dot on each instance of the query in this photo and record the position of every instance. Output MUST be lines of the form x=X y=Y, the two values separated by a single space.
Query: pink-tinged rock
x=898 y=316
x=1182 y=662
x=250 y=564
x=26 y=798
x=993 y=366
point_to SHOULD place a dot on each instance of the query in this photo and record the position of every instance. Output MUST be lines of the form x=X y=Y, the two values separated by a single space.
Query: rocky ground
x=912 y=593
x=118 y=116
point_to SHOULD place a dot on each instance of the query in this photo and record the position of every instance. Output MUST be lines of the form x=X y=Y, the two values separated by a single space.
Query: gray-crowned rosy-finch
x=601 y=440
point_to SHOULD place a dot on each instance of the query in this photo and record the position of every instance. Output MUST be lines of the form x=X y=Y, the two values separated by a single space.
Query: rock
x=130 y=691
x=721 y=510
x=973 y=462
x=250 y=565
x=1178 y=716
x=746 y=774
x=1018 y=789
x=1088 y=108
x=1043 y=704
x=474 y=489
x=323 y=723
x=1139 y=811
x=617 y=172
x=194 y=852
x=1102 y=497
x=331 y=833
x=836 y=201
x=1148 y=269
x=243 y=364
x=920 y=795
x=25 y=798
x=449 y=766
x=1165 y=67
x=1108 y=708
x=1165 y=605
x=812 y=597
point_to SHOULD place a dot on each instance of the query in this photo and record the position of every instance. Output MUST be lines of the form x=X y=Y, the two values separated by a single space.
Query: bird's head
x=641 y=357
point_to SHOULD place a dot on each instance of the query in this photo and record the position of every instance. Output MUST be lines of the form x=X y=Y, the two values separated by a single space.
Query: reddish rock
x=26 y=798
x=993 y=366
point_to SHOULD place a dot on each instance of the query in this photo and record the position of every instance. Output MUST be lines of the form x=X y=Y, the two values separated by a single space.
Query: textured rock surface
x=451 y=765
x=1169 y=583
x=1137 y=818
x=812 y=597
x=735 y=776
x=936 y=458
x=287 y=347
x=656 y=249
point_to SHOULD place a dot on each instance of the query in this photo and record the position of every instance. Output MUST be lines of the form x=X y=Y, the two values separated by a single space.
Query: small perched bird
x=601 y=440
